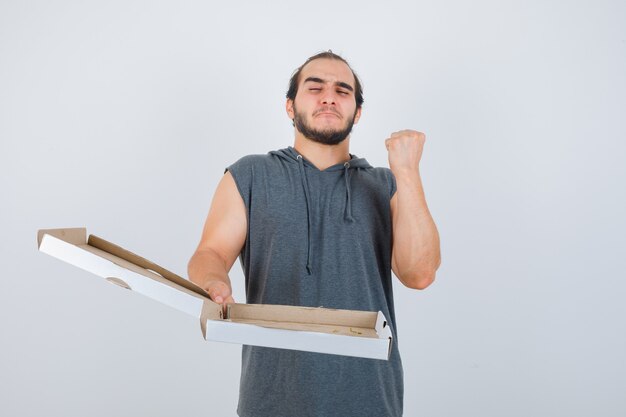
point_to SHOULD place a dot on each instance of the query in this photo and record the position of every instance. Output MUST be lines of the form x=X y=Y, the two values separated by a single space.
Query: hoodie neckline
x=354 y=162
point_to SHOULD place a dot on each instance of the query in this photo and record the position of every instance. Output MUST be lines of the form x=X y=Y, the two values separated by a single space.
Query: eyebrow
x=337 y=83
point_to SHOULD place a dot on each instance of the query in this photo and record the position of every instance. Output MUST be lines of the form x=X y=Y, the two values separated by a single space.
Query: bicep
x=226 y=225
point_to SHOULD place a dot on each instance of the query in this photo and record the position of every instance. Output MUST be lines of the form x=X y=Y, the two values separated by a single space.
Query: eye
x=314 y=89
x=345 y=93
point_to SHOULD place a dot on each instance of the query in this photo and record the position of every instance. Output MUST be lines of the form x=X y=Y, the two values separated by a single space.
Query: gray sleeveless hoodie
x=317 y=238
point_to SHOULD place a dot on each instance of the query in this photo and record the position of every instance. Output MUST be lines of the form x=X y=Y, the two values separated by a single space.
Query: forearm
x=416 y=252
x=206 y=266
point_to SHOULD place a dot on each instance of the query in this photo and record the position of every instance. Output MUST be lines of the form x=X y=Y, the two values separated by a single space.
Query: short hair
x=295 y=77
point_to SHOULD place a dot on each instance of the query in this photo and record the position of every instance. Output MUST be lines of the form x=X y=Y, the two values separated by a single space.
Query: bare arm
x=223 y=236
x=415 y=255
x=416 y=249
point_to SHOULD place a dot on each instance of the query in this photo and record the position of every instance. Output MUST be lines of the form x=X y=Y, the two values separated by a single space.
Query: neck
x=321 y=155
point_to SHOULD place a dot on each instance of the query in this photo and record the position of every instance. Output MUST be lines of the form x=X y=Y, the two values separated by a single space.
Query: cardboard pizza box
x=341 y=332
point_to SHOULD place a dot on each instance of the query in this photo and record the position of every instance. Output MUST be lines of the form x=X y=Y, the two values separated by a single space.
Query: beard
x=328 y=136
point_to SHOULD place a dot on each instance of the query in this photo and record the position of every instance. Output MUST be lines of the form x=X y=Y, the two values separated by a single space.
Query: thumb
x=219 y=291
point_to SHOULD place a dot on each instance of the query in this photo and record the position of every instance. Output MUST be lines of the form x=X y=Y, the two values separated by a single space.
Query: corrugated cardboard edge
x=210 y=311
x=74 y=235
x=384 y=331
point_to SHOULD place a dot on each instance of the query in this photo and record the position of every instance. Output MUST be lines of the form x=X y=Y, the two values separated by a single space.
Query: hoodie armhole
x=392 y=184
x=243 y=185
x=232 y=173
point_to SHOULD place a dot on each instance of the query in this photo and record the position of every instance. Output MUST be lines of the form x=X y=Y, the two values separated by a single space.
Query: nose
x=328 y=97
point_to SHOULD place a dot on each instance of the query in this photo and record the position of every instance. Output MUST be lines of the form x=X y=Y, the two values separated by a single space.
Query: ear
x=289 y=108
x=357 y=115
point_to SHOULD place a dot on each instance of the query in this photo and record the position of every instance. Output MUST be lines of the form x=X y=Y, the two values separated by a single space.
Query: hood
x=292 y=156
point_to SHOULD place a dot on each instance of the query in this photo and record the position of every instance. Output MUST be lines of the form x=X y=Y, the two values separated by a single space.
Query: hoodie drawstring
x=305 y=186
x=291 y=155
x=346 y=175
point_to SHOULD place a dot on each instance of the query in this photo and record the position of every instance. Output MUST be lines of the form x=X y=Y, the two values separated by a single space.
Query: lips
x=327 y=113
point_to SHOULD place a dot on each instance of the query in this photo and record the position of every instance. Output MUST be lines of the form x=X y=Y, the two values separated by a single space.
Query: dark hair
x=295 y=77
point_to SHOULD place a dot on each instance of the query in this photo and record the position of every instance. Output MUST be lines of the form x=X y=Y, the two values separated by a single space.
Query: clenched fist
x=405 y=151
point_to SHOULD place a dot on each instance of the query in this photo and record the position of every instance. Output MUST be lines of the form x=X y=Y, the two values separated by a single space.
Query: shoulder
x=250 y=169
x=249 y=161
x=250 y=164
x=382 y=173
x=383 y=178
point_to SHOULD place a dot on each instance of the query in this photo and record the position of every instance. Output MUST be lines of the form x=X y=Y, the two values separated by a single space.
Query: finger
x=222 y=296
x=218 y=292
x=213 y=292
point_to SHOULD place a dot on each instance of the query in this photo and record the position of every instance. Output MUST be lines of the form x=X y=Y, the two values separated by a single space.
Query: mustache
x=327 y=110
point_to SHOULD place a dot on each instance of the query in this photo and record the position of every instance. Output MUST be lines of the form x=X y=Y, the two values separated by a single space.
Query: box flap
x=127 y=255
x=70 y=245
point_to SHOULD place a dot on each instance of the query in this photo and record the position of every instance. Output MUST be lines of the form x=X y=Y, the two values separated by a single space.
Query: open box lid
x=342 y=332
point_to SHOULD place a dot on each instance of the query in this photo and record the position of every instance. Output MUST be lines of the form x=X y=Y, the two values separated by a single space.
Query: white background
x=121 y=116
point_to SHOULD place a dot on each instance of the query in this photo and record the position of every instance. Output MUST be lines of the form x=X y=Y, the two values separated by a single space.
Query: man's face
x=324 y=109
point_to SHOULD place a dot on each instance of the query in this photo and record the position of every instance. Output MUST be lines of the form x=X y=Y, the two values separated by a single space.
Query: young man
x=316 y=226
